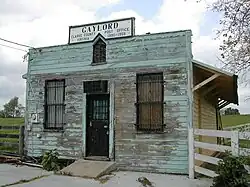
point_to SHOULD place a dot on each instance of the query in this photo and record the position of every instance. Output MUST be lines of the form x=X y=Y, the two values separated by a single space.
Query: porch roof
x=217 y=82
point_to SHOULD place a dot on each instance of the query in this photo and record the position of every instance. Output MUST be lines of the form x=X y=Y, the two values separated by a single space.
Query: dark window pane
x=100 y=110
x=99 y=51
x=96 y=86
x=150 y=102
x=54 y=104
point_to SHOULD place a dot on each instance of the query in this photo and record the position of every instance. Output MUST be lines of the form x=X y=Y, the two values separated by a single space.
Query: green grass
x=245 y=144
x=9 y=131
x=11 y=121
x=233 y=120
x=7 y=148
x=12 y=140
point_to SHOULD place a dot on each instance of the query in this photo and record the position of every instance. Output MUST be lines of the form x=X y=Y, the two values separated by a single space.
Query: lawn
x=233 y=120
x=9 y=131
x=11 y=121
x=10 y=140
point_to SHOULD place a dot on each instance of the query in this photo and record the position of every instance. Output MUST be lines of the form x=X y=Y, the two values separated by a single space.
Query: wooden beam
x=213 y=133
x=221 y=102
x=214 y=147
x=205 y=82
x=199 y=120
x=223 y=105
x=209 y=159
x=205 y=171
x=191 y=153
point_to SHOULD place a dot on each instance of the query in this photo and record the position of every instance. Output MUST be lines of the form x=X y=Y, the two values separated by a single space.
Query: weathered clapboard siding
x=172 y=143
x=166 y=52
x=139 y=48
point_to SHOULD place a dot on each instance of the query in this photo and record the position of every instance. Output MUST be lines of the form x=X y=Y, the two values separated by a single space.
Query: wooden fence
x=235 y=148
x=12 y=139
x=241 y=128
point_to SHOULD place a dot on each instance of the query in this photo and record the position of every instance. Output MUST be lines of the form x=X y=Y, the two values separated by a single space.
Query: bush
x=50 y=161
x=231 y=172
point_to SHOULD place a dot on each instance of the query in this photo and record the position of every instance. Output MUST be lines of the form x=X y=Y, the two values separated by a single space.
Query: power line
x=15 y=43
x=13 y=47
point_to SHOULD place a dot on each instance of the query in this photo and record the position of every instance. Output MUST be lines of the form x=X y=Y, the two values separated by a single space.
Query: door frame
x=90 y=98
x=111 y=88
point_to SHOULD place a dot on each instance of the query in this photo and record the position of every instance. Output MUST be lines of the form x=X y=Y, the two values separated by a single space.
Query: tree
x=10 y=107
x=19 y=110
x=2 y=114
x=231 y=111
x=235 y=30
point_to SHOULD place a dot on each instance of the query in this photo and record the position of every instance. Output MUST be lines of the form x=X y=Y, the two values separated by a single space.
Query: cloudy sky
x=45 y=22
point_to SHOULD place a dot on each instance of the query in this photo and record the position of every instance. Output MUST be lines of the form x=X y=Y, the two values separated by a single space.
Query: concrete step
x=89 y=168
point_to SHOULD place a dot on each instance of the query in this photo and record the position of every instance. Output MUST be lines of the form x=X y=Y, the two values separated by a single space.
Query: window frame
x=46 y=105
x=93 y=53
x=139 y=127
x=96 y=86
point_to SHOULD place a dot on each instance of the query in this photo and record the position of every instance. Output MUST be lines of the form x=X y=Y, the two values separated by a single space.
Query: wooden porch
x=213 y=89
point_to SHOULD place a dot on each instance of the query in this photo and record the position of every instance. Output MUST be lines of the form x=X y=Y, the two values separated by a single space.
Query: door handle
x=105 y=126
x=90 y=123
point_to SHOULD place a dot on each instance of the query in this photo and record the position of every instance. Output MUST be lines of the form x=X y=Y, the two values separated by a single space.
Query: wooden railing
x=12 y=138
x=235 y=148
x=241 y=128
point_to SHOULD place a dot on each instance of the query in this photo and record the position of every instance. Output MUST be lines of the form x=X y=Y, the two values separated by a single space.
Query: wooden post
x=235 y=143
x=191 y=152
x=21 y=140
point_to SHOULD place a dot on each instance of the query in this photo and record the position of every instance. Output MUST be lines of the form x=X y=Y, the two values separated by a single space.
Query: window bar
x=54 y=103
x=150 y=106
x=55 y=99
x=153 y=100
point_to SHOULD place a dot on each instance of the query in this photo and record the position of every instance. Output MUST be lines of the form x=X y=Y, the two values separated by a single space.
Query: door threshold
x=97 y=158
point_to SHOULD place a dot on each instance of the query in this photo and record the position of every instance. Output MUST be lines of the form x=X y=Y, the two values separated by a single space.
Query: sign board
x=109 y=29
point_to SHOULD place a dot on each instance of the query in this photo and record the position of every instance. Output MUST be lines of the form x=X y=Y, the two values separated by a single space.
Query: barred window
x=54 y=104
x=149 y=106
x=99 y=52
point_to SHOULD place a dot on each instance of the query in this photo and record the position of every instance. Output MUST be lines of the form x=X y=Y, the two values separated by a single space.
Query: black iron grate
x=54 y=104
x=150 y=100
x=99 y=52
x=100 y=109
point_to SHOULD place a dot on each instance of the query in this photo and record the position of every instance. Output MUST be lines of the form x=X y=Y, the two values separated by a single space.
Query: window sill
x=149 y=132
x=53 y=130
x=96 y=64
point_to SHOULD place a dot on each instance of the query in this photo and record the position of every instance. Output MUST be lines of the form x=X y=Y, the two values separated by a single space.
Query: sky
x=39 y=23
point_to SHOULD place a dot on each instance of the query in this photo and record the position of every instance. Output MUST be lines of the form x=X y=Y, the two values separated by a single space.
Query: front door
x=97 y=121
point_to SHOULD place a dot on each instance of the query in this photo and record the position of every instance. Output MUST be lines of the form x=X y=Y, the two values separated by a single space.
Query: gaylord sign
x=109 y=29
